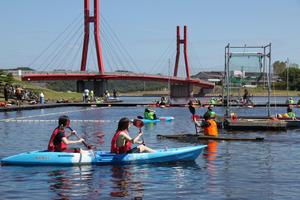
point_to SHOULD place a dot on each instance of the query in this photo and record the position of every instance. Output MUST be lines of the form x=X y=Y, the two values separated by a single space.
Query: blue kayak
x=89 y=157
x=168 y=118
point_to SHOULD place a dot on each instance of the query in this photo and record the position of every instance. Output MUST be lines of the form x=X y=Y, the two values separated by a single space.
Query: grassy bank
x=53 y=96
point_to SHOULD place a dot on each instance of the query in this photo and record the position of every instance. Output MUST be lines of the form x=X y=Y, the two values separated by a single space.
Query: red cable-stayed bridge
x=180 y=87
x=114 y=76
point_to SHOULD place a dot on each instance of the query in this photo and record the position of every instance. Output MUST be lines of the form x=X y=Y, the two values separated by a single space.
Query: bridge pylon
x=181 y=90
x=98 y=86
x=87 y=20
x=184 y=42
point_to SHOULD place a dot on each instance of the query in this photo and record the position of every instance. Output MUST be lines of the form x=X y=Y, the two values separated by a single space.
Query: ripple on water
x=225 y=170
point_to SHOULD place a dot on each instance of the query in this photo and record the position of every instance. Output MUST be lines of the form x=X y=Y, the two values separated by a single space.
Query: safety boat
x=90 y=157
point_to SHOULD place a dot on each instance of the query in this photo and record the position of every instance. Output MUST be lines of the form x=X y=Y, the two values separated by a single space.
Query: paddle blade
x=192 y=110
x=138 y=123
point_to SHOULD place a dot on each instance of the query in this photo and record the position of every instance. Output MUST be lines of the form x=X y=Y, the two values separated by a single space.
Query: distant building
x=249 y=78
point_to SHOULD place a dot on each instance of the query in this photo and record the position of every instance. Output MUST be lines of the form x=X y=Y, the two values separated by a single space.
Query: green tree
x=279 y=67
x=293 y=77
x=9 y=78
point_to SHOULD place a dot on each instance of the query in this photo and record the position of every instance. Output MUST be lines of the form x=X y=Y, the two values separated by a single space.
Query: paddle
x=194 y=116
x=139 y=124
x=88 y=146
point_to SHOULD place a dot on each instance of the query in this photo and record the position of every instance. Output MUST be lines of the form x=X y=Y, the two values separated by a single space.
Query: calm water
x=225 y=170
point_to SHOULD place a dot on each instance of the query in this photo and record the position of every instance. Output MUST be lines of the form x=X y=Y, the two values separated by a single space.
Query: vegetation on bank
x=288 y=77
x=51 y=95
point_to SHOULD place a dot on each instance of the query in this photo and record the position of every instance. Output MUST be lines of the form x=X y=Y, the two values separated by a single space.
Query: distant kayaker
x=163 y=101
x=290 y=112
x=211 y=113
x=121 y=141
x=149 y=114
x=59 y=141
x=290 y=101
x=209 y=125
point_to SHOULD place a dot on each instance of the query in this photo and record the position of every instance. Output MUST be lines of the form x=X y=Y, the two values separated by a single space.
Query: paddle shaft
x=83 y=142
x=143 y=142
x=139 y=124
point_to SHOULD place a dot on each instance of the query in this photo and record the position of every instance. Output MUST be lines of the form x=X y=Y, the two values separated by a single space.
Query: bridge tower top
x=184 y=42
x=87 y=20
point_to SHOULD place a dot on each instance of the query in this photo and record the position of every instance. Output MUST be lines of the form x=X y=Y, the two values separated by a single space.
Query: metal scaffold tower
x=246 y=66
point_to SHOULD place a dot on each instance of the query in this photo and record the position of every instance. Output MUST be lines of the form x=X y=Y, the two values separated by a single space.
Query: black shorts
x=134 y=150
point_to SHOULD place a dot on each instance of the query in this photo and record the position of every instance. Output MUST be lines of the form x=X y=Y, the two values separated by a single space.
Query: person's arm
x=205 y=124
x=66 y=141
x=133 y=140
x=73 y=132
x=197 y=123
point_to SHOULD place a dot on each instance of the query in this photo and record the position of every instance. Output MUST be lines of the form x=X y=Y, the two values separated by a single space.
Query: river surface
x=225 y=170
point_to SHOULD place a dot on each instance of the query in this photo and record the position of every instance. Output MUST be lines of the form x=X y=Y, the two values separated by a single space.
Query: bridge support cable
x=114 y=56
x=60 y=52
x=162 y=60
x=68 y=53
x=110 y=55
x=56 y=40
x=119 y=44
x=74 y=60
x=197 y=60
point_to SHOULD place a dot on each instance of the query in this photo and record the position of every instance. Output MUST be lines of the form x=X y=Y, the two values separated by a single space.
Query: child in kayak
x=59 y=141
x=149 y=114
x=121 y=141
x=209 y=125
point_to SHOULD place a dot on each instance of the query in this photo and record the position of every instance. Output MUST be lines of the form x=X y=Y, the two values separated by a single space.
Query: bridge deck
x=126 y=76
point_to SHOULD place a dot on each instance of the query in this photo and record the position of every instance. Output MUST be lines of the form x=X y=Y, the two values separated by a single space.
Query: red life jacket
x=115 y=148
x=58 y=147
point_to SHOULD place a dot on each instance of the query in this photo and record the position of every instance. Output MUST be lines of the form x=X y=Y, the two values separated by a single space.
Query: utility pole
x=287 y=76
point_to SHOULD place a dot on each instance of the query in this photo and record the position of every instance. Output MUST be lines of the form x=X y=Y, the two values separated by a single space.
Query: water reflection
x=125 y=182
x=60 y=183
x=210 y=155
x=68 y=183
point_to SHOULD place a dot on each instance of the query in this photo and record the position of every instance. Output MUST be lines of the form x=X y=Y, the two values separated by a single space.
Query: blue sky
x=147 y=29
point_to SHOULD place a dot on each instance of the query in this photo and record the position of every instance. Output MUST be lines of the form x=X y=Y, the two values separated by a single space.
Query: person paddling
x=59 y=141
x=290 y=112
x=209 y=125
x=150 y=114
x=121 y=141
x=210 y=111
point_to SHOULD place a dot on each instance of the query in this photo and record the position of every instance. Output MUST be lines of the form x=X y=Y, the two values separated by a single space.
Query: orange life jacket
x=212 y=129
x=115 y=149
x=59 y=147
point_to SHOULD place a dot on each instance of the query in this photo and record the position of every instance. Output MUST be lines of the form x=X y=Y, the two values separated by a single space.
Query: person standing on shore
x=5 y=92
x=115 y=93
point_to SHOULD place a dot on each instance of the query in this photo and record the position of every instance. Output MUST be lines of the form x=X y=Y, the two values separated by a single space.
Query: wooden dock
x=255 y=124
